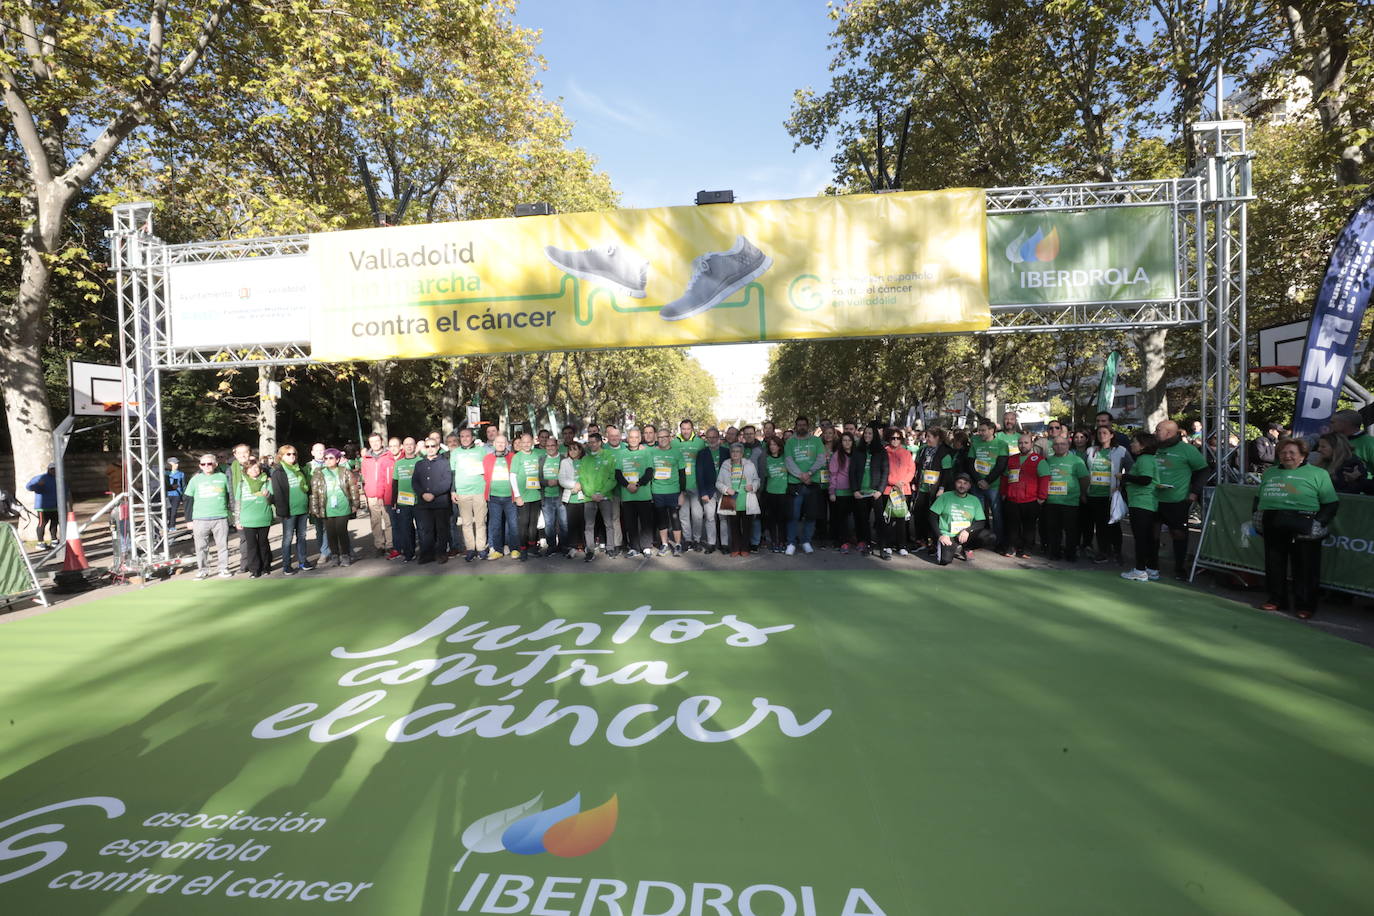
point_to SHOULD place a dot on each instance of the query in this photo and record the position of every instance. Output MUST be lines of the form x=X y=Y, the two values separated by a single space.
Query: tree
x=78 y=78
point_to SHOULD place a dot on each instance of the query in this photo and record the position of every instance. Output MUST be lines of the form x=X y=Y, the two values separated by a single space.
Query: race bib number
x=1102 y=478
x=1059 y=488
x=1014 y=475
x=662 y=473
x=930 y=478
x=823 y=476
x=531 y=482
x=405 y=499
x=982 y=466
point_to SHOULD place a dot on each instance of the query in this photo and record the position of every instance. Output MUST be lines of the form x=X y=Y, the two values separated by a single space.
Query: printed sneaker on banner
x=610 y=264
x=716 y=276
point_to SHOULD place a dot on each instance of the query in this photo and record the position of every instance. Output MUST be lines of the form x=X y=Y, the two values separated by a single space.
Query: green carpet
x=771 y=743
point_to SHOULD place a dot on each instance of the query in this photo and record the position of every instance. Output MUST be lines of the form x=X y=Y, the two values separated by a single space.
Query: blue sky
x=674 y=98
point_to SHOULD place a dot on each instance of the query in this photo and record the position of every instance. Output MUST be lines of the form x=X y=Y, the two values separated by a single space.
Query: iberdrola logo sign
x=1101 y=255
x=527 y=829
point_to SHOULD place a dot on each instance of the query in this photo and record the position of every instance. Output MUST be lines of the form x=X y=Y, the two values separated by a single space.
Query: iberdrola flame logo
x=528 y=830
x=1040 y=246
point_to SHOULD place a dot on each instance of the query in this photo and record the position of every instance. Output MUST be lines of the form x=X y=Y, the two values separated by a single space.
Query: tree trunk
x=23 y=334
x=451 y=398
x=1154 y=392
x=992 y=384
x=267 y=411
x=376 y=407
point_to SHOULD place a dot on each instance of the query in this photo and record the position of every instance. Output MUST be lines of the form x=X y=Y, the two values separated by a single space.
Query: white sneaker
x=226 y=574
x=1136 y=575
x=202 y=574
x=716 y=276
x=902 y=552
x=791 y=549
x=612 y=265
x=1152 y=573
x=807 y=548
x=632 y=552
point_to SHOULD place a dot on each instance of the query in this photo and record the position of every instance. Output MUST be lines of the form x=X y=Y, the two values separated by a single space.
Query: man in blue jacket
x=44 y=489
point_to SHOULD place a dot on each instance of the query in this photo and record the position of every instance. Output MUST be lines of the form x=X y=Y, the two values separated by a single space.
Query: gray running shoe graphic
x=716 y=276
x=608 y=264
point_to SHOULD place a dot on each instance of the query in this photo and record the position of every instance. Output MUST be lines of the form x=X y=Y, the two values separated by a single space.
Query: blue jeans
x=555 y=523
x=992 y=508
x=455 y=536
x=756 y=530
x=403 y=530
x=322 y=538
x=800 y=530
x=293 y=527
x=501 y=534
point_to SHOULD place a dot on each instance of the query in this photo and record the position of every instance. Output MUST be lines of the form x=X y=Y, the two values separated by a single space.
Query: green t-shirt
x=525 y=466
x=957 y=513
x=1176 y=466
x=335 y=499
x=403 y=470
x=777 y=474
x=1363 y=447
x=1013 y=441
x=1064 y=472
x=688 y=449
x=666 y=462
x=930 y=477
x=984 y=456
x=297 y=490
x=467 y=470
x=803 y=451
x=551 y=466
x=1100 y=473
x=210 y=493
x=633 y=462
x=1302 y=489
x=596 y=473
x=255 y=510
x=500 y=476
x=1143 y=495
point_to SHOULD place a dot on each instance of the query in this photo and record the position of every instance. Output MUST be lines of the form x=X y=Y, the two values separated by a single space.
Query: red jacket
x=1029 y=485
x=489 y=466
x=901 y=468
x=377 y=474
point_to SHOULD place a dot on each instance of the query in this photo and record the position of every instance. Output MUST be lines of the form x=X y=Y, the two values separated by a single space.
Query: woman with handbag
x=1296 y=503
x=1105 y=460
x=336 y=493
x=894 y=503
x=737 y=481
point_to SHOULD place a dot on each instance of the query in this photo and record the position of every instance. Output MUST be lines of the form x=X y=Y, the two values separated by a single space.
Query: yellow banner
x=854 y=266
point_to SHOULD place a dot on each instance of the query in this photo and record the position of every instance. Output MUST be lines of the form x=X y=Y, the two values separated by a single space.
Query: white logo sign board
x=240 y=303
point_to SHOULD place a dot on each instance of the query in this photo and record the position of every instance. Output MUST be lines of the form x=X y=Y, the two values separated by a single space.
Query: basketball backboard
x=96 y=390
x=1281 y=345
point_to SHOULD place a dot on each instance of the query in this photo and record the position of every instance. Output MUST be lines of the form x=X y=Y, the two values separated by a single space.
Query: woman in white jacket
x=737 y=477
x=1105 y=461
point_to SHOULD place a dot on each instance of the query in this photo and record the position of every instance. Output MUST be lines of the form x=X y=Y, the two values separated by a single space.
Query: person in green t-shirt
x=291 y=502
x=554 y=509
x=953 y=520
x=776 y=505
x=693 y=515
x=1295 y=504
x=336 y=493
x=402 y=501
x=596 y=474
x=469 y=492
x=668 y=489
x=989 y=455
x=806 y=456
x=207 y=515
x=253 y=517
x=1351 y=424
x=529 y=495
x=1067 y=493
x=1142 y=500
x=634 y=473
x=1182 y=472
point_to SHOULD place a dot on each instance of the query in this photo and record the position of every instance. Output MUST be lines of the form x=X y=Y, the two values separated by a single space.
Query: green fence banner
x=1112 y=255
x=1106 y=391
x=15 y=577
x=1229 y=541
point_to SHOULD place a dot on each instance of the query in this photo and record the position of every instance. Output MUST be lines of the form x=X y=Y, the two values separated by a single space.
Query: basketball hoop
x=1287 y=373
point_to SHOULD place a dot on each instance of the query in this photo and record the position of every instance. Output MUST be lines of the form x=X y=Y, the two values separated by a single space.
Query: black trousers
x=527 y=523
x=577 y=523
x=336 y=530
x=1062 y=528
x=1145 y=533
x=637 y=516
x=255 y=557
x=1282 y=553
x=863 y=519
x=1020 y=521
x=1175 y=517
x=1108 y=535
x=920 y=508
x=894 y=533
x=841 y=512
x=776 y=508
x=431 y=529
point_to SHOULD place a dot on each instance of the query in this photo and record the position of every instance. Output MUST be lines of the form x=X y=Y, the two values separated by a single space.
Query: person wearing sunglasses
x=894 y=500
x=336 y=493
x=291 y=502
x=207 y=515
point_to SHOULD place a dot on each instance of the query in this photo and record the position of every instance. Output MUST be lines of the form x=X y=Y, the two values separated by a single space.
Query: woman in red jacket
x=901 y=469
x=1024 y=491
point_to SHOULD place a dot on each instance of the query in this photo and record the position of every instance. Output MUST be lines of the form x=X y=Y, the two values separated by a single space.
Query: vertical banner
x=1335 y=324
x=1109 y=255
x=1106 y=389
x=856 y=266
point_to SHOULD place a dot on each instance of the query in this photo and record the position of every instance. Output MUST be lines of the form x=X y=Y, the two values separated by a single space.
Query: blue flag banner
x=1335 y=323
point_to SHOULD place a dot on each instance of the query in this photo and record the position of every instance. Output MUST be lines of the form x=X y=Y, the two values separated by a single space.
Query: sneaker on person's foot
x=885 y=553
x=202 y=574
x=678 y=550
x=902 y=552
x=844 y=548
x=663 y=550
x=632 y=553
x=494 y=555
x=807 y=548
x=225 y=574
x=1136 y=575
x=612 y=265
x=515 y=555
x=716 y=276
x=393 y=554
x=791 y=549
x=1152 y=573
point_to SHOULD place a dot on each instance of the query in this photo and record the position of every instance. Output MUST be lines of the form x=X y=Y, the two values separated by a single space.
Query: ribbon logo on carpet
x=527 y=829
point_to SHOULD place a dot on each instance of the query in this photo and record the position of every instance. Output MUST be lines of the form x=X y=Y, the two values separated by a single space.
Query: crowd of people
x=883 y=491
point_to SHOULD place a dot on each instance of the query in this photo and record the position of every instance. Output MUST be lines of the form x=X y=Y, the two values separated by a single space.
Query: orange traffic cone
x=75 y=560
